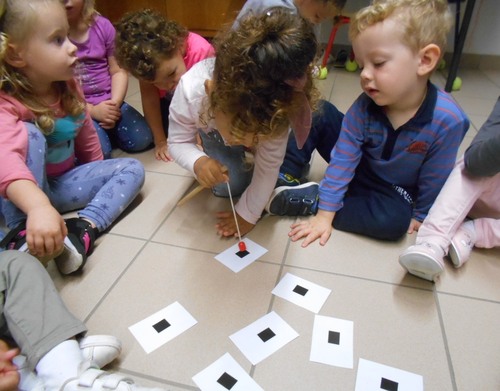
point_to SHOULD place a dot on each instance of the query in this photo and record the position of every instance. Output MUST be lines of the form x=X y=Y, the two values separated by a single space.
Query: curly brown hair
x=144 y=39
x=252 y=66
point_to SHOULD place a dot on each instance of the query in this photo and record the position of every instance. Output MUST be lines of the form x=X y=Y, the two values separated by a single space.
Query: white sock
x=60 y=364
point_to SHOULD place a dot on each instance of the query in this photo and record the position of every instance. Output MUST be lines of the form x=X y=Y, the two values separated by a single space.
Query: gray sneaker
x=301 y=200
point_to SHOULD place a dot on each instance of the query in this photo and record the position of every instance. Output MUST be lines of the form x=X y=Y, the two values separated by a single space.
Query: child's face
x=73 y=9
x=169 y=73
x=223 y=123
x=389 y=72
x=316 y=11
x=48 y=55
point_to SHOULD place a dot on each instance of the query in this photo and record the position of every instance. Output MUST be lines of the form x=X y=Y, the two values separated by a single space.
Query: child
x=315 y=11
x=244 y=101
x=157 y=52
x=399 y=140
x=44 y=130
x=472 y=189
x=104 y=82
x=35 y=318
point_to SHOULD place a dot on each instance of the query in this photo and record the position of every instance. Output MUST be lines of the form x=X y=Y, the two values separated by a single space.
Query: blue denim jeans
x=233 y=157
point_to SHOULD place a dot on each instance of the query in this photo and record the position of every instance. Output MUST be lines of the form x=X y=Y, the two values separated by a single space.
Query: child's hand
x=226 y=225
x=414 y=226
x=45 y=231
x=161 y=152
x=319 y=226
x=210 y=172
x=107 y=113
x=9 y=377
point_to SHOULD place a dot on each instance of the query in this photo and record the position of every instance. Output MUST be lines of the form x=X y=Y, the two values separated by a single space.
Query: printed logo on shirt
x=418 y=147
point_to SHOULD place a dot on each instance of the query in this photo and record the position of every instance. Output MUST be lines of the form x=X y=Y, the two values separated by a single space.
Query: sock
x=469 y=227
x=60 y=364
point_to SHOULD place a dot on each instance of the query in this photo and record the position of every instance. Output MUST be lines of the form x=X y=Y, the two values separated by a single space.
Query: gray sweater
x=482 y=158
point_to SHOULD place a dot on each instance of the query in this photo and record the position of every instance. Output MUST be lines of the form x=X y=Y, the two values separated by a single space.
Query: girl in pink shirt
x=157 y=52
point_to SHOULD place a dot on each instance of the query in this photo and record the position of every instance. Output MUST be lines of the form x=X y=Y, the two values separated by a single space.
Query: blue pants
x=233 y=157
x=325 y=130
x=131 y=133
x=101 y=189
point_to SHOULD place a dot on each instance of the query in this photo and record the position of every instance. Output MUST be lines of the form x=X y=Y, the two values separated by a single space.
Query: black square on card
x=161 y=325
x=266 y=335
x=334 y=337
x=300 y=290
x=227 y=381
x=388 y=385
x=242 y=254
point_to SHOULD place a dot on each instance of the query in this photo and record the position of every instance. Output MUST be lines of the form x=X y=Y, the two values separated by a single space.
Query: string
x=234 y=211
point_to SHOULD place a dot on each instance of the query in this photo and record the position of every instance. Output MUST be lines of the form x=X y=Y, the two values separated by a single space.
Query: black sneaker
x=286 y=180
x=301 y=200
x=77 y=246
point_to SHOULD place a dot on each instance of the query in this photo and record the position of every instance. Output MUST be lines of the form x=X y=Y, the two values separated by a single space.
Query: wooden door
x=114 y=10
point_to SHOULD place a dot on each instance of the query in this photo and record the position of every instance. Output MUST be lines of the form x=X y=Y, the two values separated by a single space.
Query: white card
x=372 y=376
x=304 y=293
x=263 y=337
x=161 y=327
x=236 y=260
x=225 y=374
x=332 y=342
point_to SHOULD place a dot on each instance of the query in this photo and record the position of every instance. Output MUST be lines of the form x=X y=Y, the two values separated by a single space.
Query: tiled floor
x=158 y=254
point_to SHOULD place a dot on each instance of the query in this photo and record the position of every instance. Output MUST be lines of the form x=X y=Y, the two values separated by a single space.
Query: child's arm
x=45 y=228
x=119 y=81
x=152 y=112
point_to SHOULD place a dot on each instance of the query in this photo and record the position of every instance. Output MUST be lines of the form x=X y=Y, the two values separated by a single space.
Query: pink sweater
x=14 y=141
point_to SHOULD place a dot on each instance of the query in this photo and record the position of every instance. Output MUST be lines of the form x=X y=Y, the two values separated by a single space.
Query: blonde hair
x=422 y=22
x=253 y=66
x=17 y=21
x=89 y=12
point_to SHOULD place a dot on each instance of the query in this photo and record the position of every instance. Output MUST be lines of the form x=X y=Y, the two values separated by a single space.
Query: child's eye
x=379 y=64
x=59 y=39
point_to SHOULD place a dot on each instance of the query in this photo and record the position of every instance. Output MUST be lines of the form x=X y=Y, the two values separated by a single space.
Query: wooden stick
x=190 y=195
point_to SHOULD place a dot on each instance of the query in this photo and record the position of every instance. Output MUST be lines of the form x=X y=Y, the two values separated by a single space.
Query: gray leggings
x=32 y=312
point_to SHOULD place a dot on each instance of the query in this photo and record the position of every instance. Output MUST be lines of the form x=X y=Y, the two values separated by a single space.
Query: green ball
x=351 y=66
x=323 y=73
x=457 y=84
x=441 y=65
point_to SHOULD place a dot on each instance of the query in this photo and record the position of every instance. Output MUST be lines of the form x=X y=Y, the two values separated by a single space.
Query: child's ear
x=14 y=56
x=429 y=58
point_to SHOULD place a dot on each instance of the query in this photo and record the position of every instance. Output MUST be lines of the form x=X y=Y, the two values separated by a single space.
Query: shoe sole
x=453 y=255
x=421 y=265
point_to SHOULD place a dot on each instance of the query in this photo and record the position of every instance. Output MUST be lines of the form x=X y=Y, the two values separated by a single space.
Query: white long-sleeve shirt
x=184 y=124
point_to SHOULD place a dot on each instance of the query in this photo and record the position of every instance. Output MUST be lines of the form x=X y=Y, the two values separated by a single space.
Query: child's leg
x=104 y=139
x=133 y=132
x=325 y=130
x=30 y=301
x=486 y=214
x=233 y=157
x=451 y=207
x=102 y=188
x=37 y=147
x=374 y=209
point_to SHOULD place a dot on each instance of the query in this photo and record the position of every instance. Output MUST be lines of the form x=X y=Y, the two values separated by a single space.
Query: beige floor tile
x=388 y=321
x=222 y=302
x=82 y=293
x=473 y=340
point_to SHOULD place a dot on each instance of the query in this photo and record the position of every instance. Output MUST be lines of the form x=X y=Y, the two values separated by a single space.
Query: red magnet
x=242 y=246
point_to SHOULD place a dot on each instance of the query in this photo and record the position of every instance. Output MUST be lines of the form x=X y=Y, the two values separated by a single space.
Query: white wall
x=483 y=35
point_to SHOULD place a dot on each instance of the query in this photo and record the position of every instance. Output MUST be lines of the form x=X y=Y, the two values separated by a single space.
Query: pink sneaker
x=462 y=243
x=424 y=260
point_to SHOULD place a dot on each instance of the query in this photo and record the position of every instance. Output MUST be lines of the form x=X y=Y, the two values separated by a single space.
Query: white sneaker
x=93 y=379
x=424 y=260
x=100 y=349
x=462 y=244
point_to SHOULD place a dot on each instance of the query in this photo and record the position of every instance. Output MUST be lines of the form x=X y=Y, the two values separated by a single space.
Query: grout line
x=158 y=380
x=445 y=341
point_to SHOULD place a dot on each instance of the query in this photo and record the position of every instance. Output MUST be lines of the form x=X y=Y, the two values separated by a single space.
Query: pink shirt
x=14 y=141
